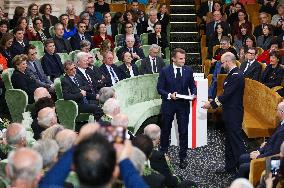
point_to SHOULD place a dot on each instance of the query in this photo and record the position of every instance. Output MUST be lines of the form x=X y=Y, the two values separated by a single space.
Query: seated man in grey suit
x=153 y=63
x=34 y=70
x=251 y=68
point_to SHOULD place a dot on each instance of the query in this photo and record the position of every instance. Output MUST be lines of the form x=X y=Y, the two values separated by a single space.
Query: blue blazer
x=166 y=82
x=117 y=71
x=75 y=41
x=52 y=68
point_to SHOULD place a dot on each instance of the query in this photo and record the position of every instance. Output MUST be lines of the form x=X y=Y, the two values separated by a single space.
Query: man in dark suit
x=176 y=79
x=19 y=45
x=251 y=68
x=51 y=62
x=164 y=17
x=79 y=36
x=62 y=45
x=74 y=87
x=153 y=63
x=137 y=53
x=109 y=69
x=232 y=104
x=34 y=70
x=269 y=148
x=205 y=7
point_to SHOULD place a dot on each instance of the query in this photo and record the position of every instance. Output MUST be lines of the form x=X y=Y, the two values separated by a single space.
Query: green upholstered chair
x=116 y=38
x=39 y=48
x=17 y=101
x=116 y=49
x=144 y=38
x=138 y=98
x=118 y=63
x=94 y=51
x=64 y=57
x=167 y=61
x=138 y=63
x=73 y=55
x=146 y=49
x=168 y=54
x=73 y=179
x=119 y=28
x=97 y=63
x=6 y=77
x=51 y=31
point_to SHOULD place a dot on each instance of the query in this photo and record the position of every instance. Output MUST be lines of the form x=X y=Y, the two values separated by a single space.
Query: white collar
x=232 y=69
x=175 y=69
x=82 y=70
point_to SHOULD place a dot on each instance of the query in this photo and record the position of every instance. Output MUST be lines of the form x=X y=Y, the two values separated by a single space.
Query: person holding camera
x=278 y=18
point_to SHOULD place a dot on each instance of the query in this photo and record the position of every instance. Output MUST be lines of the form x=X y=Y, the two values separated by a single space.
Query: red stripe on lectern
x=194 y=102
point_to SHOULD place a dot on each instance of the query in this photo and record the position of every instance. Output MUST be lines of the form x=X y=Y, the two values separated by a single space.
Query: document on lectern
x=187 y=97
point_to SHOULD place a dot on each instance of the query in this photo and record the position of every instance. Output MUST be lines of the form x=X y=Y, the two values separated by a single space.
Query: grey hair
x=105 y=93
x=153 y=131
x=153 y=10
x=138 y=158
x=48 y=150
x=65 y=142
x=80 y=55
x=110 y=106
x=84 y=15
x=154 y=46
x=46 y=120
x=241 y=183
x=120 y=120
x=28 y=173
x=57 y=24
x=84 y=43
x=51 y=132
x=17 y=138
x=229 y=56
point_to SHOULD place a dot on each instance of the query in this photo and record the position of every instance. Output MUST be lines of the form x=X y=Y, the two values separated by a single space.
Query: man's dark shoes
x=183 y=164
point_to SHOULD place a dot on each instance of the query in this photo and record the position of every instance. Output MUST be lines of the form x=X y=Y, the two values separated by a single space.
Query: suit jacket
x=52 y=65
x=93 y=85
x=210 y=28
x=41 y=79
x=258 y=31
x=17 y=48
x=62 y=45
x=272 y=77
x=98 y=77
x=117 y=71
x=146 y=67
x=75 y=41
x=136 y=50
x=162 y=42
x=47 y=23
x=166 y=85
x=114 y=30
x=165 y=21
x=253 y=71
x=204 y=8
x=273 y=144
x=264 y=44
x=121 y=41
x=71 y=91
x=24 y=82
x=126 y=72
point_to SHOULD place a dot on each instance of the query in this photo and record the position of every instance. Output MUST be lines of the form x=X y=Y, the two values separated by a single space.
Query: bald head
x=65 y=139
x=241 y=183
x=154 y=132
x=41 y=92
x=120 y=120
x=46 y=117
x=16 y=135
x=24 y=164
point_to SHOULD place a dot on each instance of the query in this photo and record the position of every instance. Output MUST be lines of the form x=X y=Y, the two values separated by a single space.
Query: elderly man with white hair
x=106 y=93
x=16 y=135
x=153 y=18
x=110 y=108
x=41 y=92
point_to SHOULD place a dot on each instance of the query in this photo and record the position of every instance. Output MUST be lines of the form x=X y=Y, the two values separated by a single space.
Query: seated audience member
x=153 y=18
x=81 y=35
x=215 y=38
x=42 y=99
x=85 y=46
x=61 y=45
x=152 y=4
x=41 y=92
x=105 y=93
x=129 y=31
x=51 y=132
x=34 y=70
x=86 y=19
x=241 y=183
x=3 y=27
x=105 y=47
x=19 y=45
x=16 y=136
x=20 y=80
x=65 y=140
x=42 y=34
x=5 y=48
x=269 y=7
x=111 y=28
x=153 y=63
x=277 y=19
x=242 y=54
x=121 y=120
x=101 y=35
x=94 y=16
x=264 y=19
x=158 y=38
x=51 y=62
x=264 y=40
x=242 y=19
x=240 y=37
x=131 y=17
x=251 y=68
x=135 y=7
x=217 y=6
x=101 y=6
x=273 y=74
x=69 y=28
x=137 y=53
x=48 y=149
x=29 y=32
x=269 y=148
x=164 y=17
x=74 y=87
x=110 y=70
x=70 y=11
x=232 y=11
x=48 y=19
x=138 y=159
x=160 y=162
x=18 y=13
x=264 y=57
x=205 y=7
x=25 y=168
x=32 y=13
x=110 y=108
x=128 y=68
x=46 y=118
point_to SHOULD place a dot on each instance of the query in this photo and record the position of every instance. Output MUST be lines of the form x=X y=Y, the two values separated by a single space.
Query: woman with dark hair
x=128 y=68
x=264 y=40
x=32 y=13
x=69 y=28
x=158 y=37
x=4 y=27
x=128 y=27
x=215 y=38
x=110 y=26
x=30 y=33
x=48 y=19
x=242 y=19
x=42 y=34
x=101 y=35
x=5 y=47
x=19 y=12
x=240 y=38
x=132 y=18
x=232 y=11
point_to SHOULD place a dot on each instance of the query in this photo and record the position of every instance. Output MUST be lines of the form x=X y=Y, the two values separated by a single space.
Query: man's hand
x=262 y=145
x=83 y=92
x=135 y=56
x=254 y=154
x=206 y=105
x=123 y=151
x=173 y=96
x=269 y=181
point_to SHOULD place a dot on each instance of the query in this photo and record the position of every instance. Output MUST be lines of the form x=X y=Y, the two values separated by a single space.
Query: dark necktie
x=113 y=75
x=83 y=37
x=85 y=101
x=131 y=50
x=37 y=72
x=178 y=75
x=23 y=44
x=154 y=66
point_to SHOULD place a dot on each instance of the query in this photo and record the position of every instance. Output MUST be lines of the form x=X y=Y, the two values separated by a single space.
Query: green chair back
x=6 y=77
x=73 y=55
x=94 y=51
x=168 y=54
x=118 y=63
x=144 y=38
x=119 y=28
x=67 y=111
x=51 y=31
x=167 y=62
x=58 y=88
x=116 y=38
x=17 y=101
x=64 y=57
x=138 y=63
x=97 y=63
x=116 y=49
x=39 y=48
x=146 y=49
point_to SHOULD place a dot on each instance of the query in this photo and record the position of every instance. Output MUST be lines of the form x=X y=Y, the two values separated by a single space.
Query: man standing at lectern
x=232 y=104
x=176 y=79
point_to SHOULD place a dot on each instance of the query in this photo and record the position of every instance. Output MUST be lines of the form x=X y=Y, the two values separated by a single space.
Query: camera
x=272 y=165
x=114 y=134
